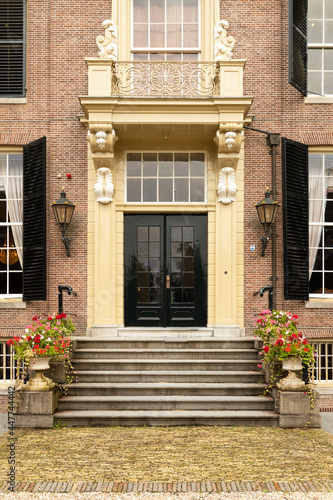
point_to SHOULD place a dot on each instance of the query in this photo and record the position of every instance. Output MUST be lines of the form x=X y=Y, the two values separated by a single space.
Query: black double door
x=165 y=270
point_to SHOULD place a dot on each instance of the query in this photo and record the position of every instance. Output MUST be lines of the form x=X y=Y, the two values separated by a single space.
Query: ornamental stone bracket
x=229 y=138
x=102 y=139
x=223 y=44
x=104 y=187
x=107 y=43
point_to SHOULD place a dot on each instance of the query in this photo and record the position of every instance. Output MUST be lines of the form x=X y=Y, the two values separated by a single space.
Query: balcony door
x=165 y=270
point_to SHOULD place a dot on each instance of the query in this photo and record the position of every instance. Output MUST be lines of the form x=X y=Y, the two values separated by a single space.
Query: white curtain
x=316 y=211
x=13 y=189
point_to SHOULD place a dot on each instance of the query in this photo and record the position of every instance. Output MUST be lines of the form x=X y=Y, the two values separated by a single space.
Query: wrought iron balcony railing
x=165 y=79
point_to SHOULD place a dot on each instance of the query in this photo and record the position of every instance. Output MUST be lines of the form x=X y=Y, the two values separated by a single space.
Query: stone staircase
x=166 y=382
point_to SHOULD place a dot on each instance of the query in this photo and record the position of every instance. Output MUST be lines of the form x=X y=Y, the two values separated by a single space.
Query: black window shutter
x=295 y=220
x=12 y=48
x=34 y=220
x=298 y=10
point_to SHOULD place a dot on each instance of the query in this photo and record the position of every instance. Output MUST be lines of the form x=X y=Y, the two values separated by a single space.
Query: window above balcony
x=165 y=30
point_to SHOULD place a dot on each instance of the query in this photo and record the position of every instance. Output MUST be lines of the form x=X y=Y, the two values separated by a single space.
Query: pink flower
x=259 y=366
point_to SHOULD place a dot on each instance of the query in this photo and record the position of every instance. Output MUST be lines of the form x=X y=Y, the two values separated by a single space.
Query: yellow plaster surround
x=165 y=124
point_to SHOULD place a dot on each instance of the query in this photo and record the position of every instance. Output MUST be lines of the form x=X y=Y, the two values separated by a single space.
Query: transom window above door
x=166 y=177
x=165 y=30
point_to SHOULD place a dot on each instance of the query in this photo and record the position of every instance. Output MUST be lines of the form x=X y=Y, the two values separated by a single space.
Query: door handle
x=167 y=281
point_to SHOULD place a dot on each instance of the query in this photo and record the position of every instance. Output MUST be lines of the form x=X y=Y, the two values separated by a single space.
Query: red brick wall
x=60 y=35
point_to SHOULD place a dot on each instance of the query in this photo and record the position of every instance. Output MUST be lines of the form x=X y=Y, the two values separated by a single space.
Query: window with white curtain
x=165 y=30
x=320 y=47
x=321 y=224
x=11 y=225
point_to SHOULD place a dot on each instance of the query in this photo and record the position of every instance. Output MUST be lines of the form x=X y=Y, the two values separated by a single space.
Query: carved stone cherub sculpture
x=223 y=44
x=108 y=44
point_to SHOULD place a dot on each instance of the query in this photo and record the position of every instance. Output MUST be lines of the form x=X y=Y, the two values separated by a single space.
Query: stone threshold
x=169 y=487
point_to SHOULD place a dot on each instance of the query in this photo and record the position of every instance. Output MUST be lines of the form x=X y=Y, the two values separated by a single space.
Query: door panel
x=165 y=270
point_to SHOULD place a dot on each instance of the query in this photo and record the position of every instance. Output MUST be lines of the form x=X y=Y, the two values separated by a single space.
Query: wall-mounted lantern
x=63 y=210
x=267 y=211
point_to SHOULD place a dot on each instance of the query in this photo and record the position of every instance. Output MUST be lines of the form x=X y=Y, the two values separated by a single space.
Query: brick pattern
x=58 y=41
x=170 y=487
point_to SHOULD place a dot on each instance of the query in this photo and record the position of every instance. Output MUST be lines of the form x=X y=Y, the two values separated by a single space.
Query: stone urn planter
x=291 y=382
x=39 y=382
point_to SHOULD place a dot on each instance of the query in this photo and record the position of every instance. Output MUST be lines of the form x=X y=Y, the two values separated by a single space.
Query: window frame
x=20 y=41
x=161 y=203
x=165 y=50
x=10 y=224
x=323 y=224
x=318 y=345
x=319 y=45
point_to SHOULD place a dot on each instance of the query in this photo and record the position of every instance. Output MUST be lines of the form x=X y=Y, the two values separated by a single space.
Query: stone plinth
x=35 y=409
x=294 y=409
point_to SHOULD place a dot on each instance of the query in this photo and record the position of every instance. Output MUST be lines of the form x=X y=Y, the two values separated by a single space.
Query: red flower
x=287 y=349
x=305 y=341
x=266 y=348
x=10 y=342
x=35 y=318
x=50 y=318
x=279 y=342
x=294 y=335
x=306 y=349
x=17 y=339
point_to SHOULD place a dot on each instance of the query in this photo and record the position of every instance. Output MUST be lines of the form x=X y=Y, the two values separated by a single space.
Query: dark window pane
x=165 y=190
x=143 y=294
x=188 y=249
x=154 y=265
x=154 y=250
x=142 y=264
x=15 y=283
x=188 y=264
x=3 y=283
x=176 y=295
x=188 y=233
x=143 y=233
x=188 y=295
x=176 y=280
x=3 y=211
x=149 y=190
x=142 y=249
x=181 y=190
x=319 y=260
x=155 y=295
x=176 y=249
x=188 y=279
x=176 y=233
x=14 y=263
x=3 y=260
x=197 y=190
x=133 y=189
x=154 y=233
x=316 y=283
x=176 y=265
x=143 y=279
x=329 y=211
x=155 y=280
x=328 y=282
x=3 y=235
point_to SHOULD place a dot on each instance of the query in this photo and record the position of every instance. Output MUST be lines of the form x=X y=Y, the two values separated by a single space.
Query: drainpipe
x=273 y=141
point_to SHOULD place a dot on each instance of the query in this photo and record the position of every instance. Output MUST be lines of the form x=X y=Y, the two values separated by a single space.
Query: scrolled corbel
x=102 y=173
x=223 y=44
x=229 y=137
x=227 y=188
x=102 y=137
x=107 y=43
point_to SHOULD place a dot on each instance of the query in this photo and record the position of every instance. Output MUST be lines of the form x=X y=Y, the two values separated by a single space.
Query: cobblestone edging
x=173 y=487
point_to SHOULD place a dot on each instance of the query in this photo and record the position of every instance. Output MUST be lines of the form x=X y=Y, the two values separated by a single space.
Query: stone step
x=164 y=364
x=163 y=343
x=135 y=403
x=169 y=376
x=94 y=353
x=164 y=388
x=166 y=418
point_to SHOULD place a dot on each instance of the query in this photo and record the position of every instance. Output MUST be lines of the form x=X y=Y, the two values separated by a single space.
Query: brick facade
x=60 y=34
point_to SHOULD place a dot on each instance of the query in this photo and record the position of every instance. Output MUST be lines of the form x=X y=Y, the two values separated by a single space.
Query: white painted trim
x=13 y=100
x=318 y=100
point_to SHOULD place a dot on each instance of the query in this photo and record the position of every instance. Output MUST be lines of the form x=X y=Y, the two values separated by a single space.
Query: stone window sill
x=318 y=100
x=13 y=100
x=319 y=304
x=11 y=304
